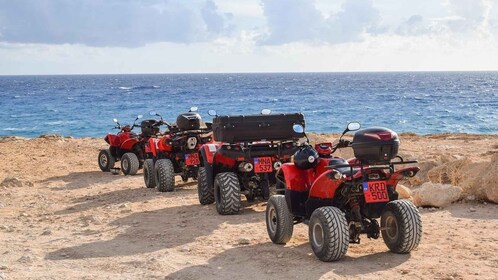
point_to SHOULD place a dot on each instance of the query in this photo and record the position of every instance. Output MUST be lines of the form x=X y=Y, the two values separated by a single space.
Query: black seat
x=346 y=170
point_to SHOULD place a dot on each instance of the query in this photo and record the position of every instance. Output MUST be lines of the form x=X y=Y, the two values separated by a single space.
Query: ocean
x=420 y=102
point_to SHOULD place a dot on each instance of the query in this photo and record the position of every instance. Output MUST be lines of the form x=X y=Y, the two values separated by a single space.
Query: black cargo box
x=375 y=145
x=248 y=128
x=149 y=128
x=188 y=121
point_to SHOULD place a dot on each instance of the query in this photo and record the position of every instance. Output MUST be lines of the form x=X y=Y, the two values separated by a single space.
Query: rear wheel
x=165 y=175
x=401 y=226
x=328 y=233
x=206 y=194
x=227 y=193
x=129 y=164
x=149 y=178
x=106 y=160
x=279 y=222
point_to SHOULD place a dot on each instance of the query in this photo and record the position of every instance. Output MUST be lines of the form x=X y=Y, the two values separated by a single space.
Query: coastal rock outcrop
x=436 y=195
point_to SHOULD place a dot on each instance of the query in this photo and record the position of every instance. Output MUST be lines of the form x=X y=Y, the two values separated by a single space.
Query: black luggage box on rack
x=375 y=145
x=188 y=121
x=249 y=128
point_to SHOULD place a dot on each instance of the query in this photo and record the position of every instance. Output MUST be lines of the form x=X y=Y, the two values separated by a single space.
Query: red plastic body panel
x=210 y=150
x=129 y=143
x=151 y=146
x=223 y=160
x=396 y=176
x=114 y=140
x=163 y=145
x=324 y=187
x=320 y=167
x=297 y=179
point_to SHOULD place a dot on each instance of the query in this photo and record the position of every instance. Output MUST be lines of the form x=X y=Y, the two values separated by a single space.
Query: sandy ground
x=77 y=222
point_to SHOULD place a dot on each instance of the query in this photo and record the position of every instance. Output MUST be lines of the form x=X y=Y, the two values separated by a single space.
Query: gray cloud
x=413 y=26
x=123 y=23
x=299 y=20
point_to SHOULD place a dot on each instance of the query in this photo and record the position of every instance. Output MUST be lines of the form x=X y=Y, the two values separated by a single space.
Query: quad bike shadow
x=263 y=257
x=151 y=231
x=80 y=180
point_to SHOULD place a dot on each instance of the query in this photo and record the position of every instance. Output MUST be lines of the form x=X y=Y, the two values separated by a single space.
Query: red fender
x=324 y=187
x=208 y=151
x=129 y=143
x=114 y=140
x=400 y=174
x=296 y=179
x=151 y=146
x=165 y=144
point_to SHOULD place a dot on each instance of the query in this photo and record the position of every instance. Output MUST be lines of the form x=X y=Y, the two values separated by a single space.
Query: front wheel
x=106 y=160
x=279 y=221
x=165 y=175
x=227 y=193
x=401 y=226
x=149 y=178
x=206 y=194
x=129 y=164
x=328 y=233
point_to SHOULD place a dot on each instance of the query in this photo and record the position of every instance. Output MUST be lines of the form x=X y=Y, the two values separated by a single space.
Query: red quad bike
x=253 y=147
x=127 y=146
x=339 y=199
x=177 y=152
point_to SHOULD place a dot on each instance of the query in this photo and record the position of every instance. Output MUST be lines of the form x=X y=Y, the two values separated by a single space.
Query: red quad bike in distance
x=177 y=152
x=252 y=148
x=127 y=146
x=339 y=199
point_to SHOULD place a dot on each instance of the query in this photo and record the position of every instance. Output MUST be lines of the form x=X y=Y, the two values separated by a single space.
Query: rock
x=244 y=241
x=14 y=182
x=47 y=232
x=281 y=255
x=26 y=259
x=490 y=181
x=437 y=195
x=472 y=209
x=404 y=192
x=52 y=137
x=185 y=249
x=3 y=267
x=6 y=139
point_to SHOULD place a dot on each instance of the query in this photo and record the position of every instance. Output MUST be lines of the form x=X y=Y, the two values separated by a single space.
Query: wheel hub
x=391 y=227
x=272 y=217
x=103 y=160
x=318 y=237
x=125 y=164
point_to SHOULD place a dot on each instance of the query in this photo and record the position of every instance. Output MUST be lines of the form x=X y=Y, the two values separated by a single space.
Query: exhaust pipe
x=245 y=167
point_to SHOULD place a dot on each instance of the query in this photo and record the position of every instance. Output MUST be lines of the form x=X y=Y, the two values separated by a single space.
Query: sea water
x=420 y=102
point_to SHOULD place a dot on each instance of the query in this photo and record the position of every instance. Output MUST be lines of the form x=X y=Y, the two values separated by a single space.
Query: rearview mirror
x=298 y=128
x=139 y=116
x=212 y=113
x=352 y=126
x=265 y=112
x=115 y=120
x=193 y=109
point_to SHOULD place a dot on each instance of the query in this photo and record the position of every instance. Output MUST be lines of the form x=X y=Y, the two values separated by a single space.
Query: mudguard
x=324 y=187
x=207 y=152
x=400 y=174
x=151 y=146
x=295 y=178
x=129 y=143
x=165 y=144
x=113 y=140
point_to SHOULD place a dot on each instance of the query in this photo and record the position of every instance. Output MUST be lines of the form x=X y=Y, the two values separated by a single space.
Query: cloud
x=299 y=20
x=122 y=23
x=413 y=26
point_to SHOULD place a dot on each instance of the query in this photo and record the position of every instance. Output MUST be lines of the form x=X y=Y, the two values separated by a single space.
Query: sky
x=224 y=36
